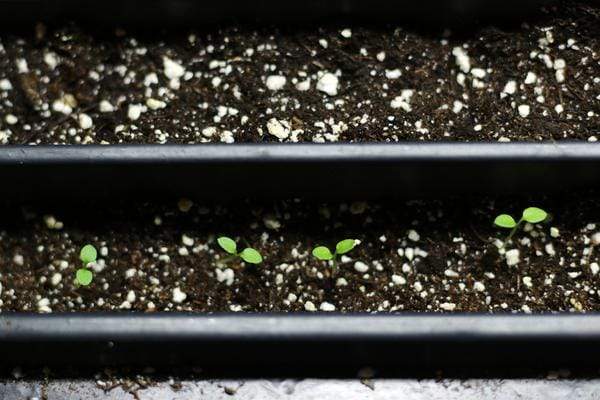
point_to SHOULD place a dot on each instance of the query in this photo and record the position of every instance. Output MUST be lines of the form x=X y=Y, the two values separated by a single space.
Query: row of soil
x=537 y=80
x=425 y=255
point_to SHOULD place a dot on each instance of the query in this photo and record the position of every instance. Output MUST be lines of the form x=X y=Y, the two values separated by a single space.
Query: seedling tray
x=343 y=171
x=309 y=170
x=346 y=171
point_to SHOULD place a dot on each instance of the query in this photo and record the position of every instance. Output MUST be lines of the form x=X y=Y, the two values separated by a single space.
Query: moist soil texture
x=427 y=255
x=538 y=80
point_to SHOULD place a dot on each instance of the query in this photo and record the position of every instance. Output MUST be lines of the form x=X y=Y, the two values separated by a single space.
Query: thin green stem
x=514 y=230
x=228 y=259
x=334 y=267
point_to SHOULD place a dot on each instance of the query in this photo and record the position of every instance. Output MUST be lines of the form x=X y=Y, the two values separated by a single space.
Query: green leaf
x=533 y=215
x=345 y=246
x=227 y=244
x=251 y=256
x=88 y=254
x=322 y=253
x=84 y=276
x=505 y=221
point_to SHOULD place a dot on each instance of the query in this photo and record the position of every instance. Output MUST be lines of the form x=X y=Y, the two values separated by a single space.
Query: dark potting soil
x=536 y=81
x=434 y=255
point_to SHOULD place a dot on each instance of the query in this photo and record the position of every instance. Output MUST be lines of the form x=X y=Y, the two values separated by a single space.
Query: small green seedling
x=249 y=254
x=87 y=255
x=324 y=254
x=533 y=215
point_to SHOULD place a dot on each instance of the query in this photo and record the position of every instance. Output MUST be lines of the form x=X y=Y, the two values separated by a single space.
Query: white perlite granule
x=524 y=110
x=328 y=83
x=279 y=129
x=360 y=266
x=172 y=69
x=462 y=59
x=178 y=295
x=325 y=306
x=275 y=82
x=512 y=257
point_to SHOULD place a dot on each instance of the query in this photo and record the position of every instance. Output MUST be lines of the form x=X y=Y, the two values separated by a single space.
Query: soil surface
x=536 y=81
x=433 y=255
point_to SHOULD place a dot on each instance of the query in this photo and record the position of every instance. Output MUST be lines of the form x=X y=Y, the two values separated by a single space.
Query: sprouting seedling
x=324 y=254
x=533 y=215
x=88 y=254
x=249 y=254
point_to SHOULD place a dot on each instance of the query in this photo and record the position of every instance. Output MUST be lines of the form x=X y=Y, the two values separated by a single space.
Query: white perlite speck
x=106 y=107
x=186 y=240
x=596 y=239
x=85 y=121
x=44 y=305
x=512 y=257
x=155 y=104
x=448 y=306
x=462 y=59
x=554 y=232
x=361 y=267
x=279 y=129
x=209 y=131
x=531 y=78
x=325 y=306
x=130 y=296
x=328 y=83
x=178 y=295
x=403 y=101
x=347 y=33
x=479 y=287
x=226 y=276
x=478 y=73
x=134 y=111
x=5 y=85
x=172 y=70
x=594 y=267
x=510 y=88
x=275 y=82
x=303 y=86
x=398 y=280
x=527 y=281
x=413 y=235
x=524 y=110
x=56 y=278
x=11 y=119
x=310 y=306
x=393 y=73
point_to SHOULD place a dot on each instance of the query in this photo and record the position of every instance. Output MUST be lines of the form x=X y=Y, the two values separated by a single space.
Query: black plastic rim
x=301 y=340
x=374 y=170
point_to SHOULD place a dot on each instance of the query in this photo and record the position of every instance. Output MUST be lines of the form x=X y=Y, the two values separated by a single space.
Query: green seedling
x=324 y=254
x=533 y=215
x=88 y=254
x=249 y=254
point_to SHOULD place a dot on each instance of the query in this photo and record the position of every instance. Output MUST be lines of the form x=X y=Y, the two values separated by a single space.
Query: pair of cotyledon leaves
x=248 y=254
x=323 y=253
x=533 y=215
x=87 y=255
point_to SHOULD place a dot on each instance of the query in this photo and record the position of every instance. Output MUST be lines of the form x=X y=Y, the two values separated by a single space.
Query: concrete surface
x=307 y=389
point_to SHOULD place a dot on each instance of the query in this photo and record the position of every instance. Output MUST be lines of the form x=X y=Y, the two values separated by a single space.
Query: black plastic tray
x=308 y=170
x=292 y=342
x=155 y=14
x=359 y=171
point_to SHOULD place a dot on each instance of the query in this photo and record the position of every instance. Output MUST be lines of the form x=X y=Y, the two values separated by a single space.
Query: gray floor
x=405 y=389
